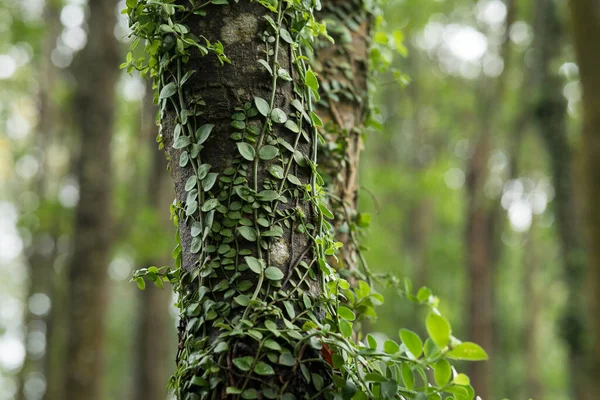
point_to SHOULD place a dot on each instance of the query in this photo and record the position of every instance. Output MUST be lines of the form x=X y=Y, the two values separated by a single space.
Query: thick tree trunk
x=234 y=239
x=96 y=73
x=551 y=113
x=154 y=324
x=585 y=21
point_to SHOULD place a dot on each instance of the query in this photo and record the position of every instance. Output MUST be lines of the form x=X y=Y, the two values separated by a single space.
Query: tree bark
x=343 y=71
x=220 y=92
x=96 y=74
x=551 y=113
x=585 y=20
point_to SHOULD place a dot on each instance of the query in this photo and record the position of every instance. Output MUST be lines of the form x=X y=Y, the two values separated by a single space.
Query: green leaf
x=290 y=309
x=318 y=381
x=292 y=126
x=391 y=347
x=285 y=35
x=263 y=368
x=389 y=389
x=190 y=183
x=221 y=347
x=254 y=264
x=181 y=142
x=287 y=359
x=284 y=74
x=442 y=372
x=210 y=204
x=273 y=274
x=249 y=394
x=262 y=106
x=196 y=229
x=247 y=233
x=439 y=329
x=372 y=342
x=204 y=132
x=278 y=115
x=462 y=380
x=294 y=179
x=311 y=80
x=209 y=181
x=267 y=67
x=276 y=171
x=412 y=341
x=460 y=391
x=268 y=195
x=199 y=381
x=316 y=120
x=407 y=376
x=242 y=300
x=246 y=150
x=196 y=244
x=468 y=351
x=345 y=328
x=346 y=313
x=268 y=152
x=325 y=211
x=184 y=158
x=167 y=91
x=243 y=363
x=141 y=283
x=271 y=344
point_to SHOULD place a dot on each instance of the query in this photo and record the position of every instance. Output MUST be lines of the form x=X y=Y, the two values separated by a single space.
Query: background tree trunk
x=483 y=220
x=96 y=74
x=154 y=324
x=343 y=71
x=551 y=113
x=585 y=19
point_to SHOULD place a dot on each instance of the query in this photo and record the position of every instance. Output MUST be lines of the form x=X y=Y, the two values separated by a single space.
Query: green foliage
x=277 y=313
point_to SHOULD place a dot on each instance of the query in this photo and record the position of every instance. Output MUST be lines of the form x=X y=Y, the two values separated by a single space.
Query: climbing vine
x=263 y=314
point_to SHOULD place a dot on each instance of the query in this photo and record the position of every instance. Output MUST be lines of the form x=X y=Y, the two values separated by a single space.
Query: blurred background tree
x=474 y=184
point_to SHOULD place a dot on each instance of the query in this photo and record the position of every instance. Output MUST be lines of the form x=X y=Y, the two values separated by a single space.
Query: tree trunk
x=343 y=70
x=232 y=246
x=154 y=325
x=483 y=221
x=480 y=245
x=550 y=113
x=585 y=16
x=40 y=260
x=96 y=73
